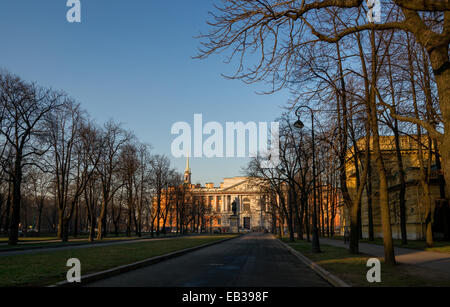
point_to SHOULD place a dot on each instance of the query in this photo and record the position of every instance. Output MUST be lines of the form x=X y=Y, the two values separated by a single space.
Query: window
x=218 y=204
x=246 y=205
x=247 y=223
x=263 y=204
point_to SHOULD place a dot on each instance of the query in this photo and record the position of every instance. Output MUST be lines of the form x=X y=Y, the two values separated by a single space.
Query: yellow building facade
x=414 y=197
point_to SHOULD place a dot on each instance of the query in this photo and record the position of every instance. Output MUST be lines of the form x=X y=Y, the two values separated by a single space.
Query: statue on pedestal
x=234 y=219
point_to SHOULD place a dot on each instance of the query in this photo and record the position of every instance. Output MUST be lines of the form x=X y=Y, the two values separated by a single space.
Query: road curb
x=136 y=265
x=331 y=278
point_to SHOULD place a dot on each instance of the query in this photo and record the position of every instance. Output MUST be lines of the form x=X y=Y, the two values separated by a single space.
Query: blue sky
x=130 y=60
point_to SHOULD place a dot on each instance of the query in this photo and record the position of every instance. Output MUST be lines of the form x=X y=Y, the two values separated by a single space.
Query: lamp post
x=299 y=125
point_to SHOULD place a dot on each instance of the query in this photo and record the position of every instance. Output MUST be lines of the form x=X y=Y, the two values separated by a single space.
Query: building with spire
x=214 y=204
x=209 y=208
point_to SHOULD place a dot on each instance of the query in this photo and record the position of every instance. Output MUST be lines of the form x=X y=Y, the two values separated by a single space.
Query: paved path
x=25 y=243
x=431 y=260
x=87 y=245
x=253 y=260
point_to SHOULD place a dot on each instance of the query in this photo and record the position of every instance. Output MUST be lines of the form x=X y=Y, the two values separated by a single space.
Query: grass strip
x=439 y=246
x=352 y=268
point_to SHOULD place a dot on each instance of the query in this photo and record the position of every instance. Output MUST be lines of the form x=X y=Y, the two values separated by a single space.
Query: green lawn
x=352 y=268
x=439 y=246
x=47 y=268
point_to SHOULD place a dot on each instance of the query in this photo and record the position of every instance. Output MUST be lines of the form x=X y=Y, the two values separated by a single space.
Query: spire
x=187 y=164
x=187 y=172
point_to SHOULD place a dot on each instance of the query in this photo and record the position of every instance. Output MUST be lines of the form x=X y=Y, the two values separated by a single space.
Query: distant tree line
x=63 y=173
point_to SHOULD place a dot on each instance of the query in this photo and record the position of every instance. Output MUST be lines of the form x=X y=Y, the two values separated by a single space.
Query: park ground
x=352 y=269
x=47 y=267
x=438 y=246
x=251 y=260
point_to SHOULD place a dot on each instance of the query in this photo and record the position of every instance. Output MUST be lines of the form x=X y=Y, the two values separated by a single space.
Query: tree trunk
x=8 y=209
x=129 y=223
x=424 y=179
x=101 y=220
x=92 y=227
x=389 y=255
x=301 y=217
x=41 y=207
x=16 y=201
x=440 y=62
x=65 y=230
x=342 y=118
x=75 y=228
x=402 y=200
x=116 y=229
x=60 y=224
x=369 y=197
x=354 y=230
x=307 y=222
x=442 y=193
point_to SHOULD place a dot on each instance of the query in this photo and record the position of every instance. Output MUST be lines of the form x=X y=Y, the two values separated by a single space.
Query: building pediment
x=246 y=185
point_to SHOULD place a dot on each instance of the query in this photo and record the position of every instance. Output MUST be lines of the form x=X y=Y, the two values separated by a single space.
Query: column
x=224 y=203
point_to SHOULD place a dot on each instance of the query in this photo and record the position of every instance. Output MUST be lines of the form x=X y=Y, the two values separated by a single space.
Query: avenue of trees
x=363 y=79
x=288 y=188
x=62 y=173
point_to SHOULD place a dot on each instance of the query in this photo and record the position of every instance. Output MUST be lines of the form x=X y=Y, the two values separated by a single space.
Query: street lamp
x=300 y=125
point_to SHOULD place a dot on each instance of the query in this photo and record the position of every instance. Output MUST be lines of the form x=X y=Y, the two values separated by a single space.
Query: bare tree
x=160 y=169
x=114 y=138
x=22 y=109
x=129 y=162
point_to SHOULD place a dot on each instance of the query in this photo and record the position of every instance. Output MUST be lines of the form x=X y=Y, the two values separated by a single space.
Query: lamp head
x=299 y=124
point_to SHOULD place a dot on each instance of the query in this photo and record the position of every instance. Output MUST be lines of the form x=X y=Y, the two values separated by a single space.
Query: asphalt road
x=254 y=260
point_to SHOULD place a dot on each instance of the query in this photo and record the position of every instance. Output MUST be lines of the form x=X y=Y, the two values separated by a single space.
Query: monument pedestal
x=234 y=224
